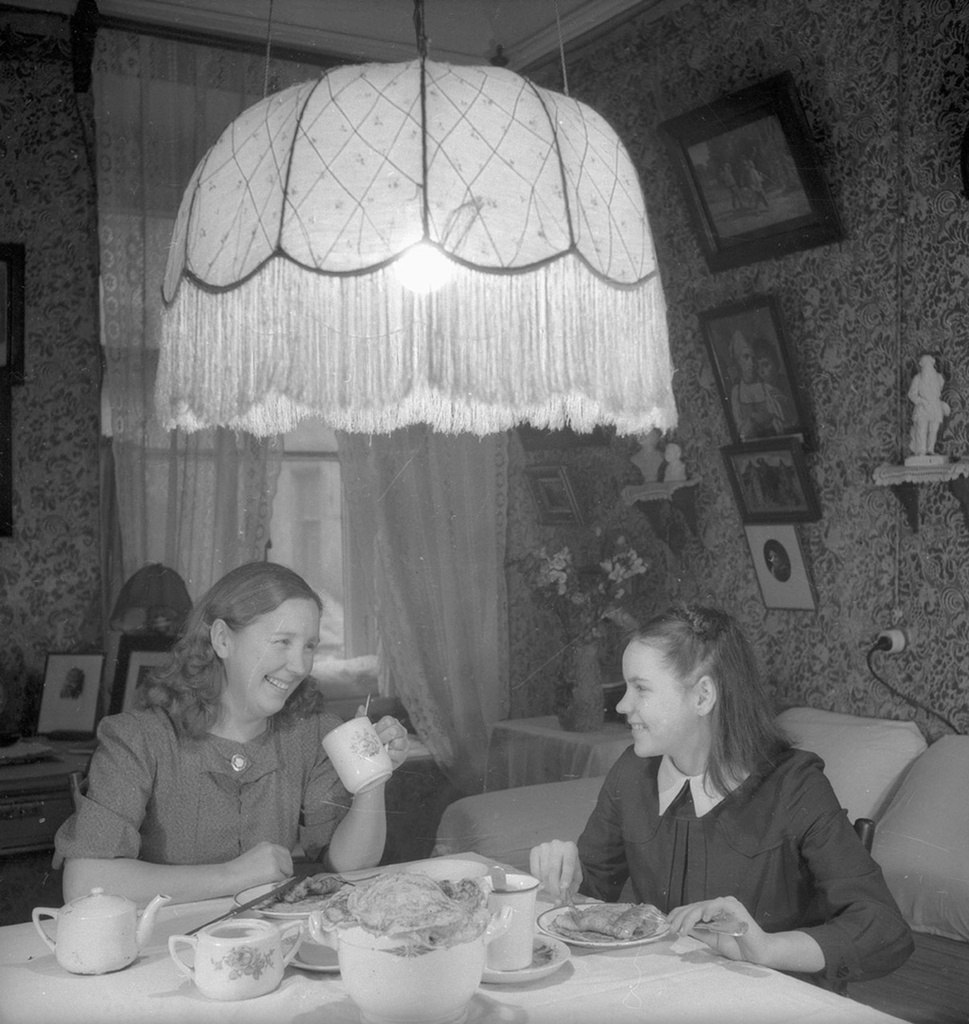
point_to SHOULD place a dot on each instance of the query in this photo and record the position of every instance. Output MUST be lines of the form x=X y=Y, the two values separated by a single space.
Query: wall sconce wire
x=880 y=645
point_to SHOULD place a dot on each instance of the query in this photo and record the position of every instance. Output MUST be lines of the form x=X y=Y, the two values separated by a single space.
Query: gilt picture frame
x=782 y=572
x=70 y=701
x=554 y=495
x=751 y=176
x=770 y=482
x=138 y=655
x=751 y=361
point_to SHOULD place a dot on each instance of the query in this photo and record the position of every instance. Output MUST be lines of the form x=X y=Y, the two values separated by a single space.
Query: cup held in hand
x=357 y=754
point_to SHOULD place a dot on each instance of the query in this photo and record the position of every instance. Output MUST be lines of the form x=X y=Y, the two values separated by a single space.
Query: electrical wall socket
x=891 y=640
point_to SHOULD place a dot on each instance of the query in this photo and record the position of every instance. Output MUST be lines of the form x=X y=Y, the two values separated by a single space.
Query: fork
x=722 y=924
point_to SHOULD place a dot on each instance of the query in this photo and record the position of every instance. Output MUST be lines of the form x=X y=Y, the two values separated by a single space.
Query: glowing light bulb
x=423 y=268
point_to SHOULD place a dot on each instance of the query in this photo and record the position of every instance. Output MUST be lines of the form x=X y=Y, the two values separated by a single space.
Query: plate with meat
x=605 y=925
x=309 y=894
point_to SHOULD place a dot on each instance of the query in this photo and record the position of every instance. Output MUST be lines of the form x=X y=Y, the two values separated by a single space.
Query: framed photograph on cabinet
x=770 y=482
x=138 y=654
x=12 y=312
x=72 y=688
x=751 y=177
x=784 y=578
x=752 y=366
x=554 y=496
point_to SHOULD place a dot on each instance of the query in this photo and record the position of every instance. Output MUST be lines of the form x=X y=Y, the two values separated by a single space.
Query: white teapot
x=98 y=933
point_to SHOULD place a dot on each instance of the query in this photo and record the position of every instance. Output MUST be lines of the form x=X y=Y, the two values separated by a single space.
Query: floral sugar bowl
x=98 y=933
x=237 y=959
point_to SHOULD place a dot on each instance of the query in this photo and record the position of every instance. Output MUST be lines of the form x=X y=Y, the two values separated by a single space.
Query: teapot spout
x=147 y=921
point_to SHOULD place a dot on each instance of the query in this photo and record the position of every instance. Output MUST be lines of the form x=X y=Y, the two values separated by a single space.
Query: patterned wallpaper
x=886 y=91
x=50 y=568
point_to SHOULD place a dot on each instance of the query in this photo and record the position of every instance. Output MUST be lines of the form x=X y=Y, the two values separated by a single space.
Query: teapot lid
x=100 y=904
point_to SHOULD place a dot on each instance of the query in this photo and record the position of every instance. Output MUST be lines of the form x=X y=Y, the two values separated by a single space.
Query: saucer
x=314 y=957
x=548 y=955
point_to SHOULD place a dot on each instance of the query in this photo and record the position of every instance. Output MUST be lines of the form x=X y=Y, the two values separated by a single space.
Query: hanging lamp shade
x=283 y=296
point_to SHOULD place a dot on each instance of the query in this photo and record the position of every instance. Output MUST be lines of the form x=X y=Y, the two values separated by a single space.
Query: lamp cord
x=903 y=697
x=269 y=35
x=565 y=74
x=419 y=29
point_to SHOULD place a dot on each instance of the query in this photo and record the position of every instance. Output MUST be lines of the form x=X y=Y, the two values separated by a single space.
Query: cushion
x=507 y=823
x=864 y=758
x=922 y=841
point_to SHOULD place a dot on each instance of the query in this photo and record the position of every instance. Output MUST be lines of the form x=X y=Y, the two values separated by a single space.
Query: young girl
x=711 y=813
x=210 y=788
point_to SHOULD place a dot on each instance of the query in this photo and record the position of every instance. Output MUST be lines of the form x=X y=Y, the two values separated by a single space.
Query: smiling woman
x=216 y=783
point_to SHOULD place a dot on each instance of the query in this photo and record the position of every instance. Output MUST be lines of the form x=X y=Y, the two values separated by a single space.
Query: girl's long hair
x=189 y=688
x=697 y=641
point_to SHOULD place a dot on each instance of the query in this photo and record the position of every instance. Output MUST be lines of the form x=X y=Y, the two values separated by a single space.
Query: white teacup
x=514 y=950
x=357 y=754
x=240 y=958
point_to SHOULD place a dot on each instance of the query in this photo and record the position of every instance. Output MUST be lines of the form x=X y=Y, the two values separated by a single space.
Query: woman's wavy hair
x=697 y=641
x=190 y=686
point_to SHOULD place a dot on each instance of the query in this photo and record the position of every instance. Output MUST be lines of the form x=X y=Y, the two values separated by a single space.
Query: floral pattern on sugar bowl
x=245 y=960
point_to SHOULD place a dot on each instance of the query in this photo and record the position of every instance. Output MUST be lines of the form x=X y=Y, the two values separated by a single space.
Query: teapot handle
x=36 y=915
x=174 y=941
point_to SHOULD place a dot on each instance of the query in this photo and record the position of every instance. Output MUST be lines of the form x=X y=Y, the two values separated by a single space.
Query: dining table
x=673 y=980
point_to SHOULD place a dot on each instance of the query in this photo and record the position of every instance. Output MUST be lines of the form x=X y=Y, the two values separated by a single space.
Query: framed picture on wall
x=12 y=312
x=138 y=654
x=784 y=578
x=751 y=177
x=770 y=482
x=72 y=689
x=6 y=456
x=752 y=366
x=554 y=495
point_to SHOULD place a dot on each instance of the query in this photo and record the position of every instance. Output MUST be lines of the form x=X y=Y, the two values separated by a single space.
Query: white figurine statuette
x=928 y=412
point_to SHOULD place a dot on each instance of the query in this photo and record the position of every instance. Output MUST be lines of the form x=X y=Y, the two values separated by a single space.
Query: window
x=307 y=524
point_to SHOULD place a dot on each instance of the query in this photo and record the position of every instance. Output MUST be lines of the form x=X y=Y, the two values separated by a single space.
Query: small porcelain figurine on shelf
x=928 y=412
x=673 y=468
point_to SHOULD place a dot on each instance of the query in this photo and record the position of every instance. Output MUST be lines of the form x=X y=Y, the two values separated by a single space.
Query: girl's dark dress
x=780 y=843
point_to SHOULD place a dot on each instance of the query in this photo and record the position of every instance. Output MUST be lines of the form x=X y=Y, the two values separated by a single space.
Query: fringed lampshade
x=283 y=291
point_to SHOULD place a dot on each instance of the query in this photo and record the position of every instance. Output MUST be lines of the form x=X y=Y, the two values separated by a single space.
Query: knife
x=266 y=897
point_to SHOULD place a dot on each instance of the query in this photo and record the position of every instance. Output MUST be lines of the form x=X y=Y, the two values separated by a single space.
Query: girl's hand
x=394 y=737
x=727 y=915
x=556 y=865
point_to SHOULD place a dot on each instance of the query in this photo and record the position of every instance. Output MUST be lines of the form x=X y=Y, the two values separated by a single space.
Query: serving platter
x=546 y=922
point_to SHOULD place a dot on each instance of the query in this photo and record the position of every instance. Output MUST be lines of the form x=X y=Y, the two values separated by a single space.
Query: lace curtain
x=428 y=511
x=198 y=503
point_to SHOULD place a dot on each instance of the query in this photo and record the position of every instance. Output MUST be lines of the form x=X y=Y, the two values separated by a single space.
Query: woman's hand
x=722 y=912
x=394 y=737
x=556 y=865
x=264 y=862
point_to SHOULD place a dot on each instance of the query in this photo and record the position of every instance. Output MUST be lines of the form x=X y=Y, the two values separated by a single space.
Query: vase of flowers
x=585 y=600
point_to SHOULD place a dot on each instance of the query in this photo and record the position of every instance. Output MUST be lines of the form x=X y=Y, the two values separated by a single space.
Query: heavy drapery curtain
x=198 y=503
x=428 y=511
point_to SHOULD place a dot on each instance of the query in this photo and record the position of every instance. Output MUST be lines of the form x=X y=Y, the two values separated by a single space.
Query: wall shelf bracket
x=905 y=481
x=656 y=499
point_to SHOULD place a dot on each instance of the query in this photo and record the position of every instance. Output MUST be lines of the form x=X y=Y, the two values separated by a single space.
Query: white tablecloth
x=525 y=751
x=669 y=981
